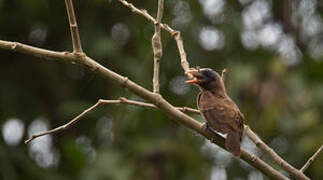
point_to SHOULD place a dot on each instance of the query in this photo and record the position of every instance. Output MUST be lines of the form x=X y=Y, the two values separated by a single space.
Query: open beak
x=195 y=74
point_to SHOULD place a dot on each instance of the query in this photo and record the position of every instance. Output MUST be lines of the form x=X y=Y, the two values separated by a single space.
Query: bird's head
x=206 y=78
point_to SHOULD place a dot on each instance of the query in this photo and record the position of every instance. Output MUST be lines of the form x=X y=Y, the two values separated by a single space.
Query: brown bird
x=220 y=112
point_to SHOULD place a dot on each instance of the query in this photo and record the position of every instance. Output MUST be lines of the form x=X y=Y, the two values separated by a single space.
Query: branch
x=157 y=46
x=185 y=66
x=310 y=160
x=121 y=100
x=65 y=126
x=174 y=33
x=156 y=99
x=273 y=155
x=160 y=10
x=77 y=47
x=224 y=71
x=39 y=52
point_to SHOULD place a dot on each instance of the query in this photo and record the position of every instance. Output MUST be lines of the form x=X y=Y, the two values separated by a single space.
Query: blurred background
x=273 y=51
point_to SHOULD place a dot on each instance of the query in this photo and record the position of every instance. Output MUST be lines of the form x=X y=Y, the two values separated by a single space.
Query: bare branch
x=77 y=118
x=174 y=33
x=77 y=46
x=182 y=54
x=223 y=77
x=224 y=71
x=160 y=10
x=121 y=100
x=157 y=46
x=311 y=159
x=273 y=155
x=44 y=53
x=262 y=166
x=142 y=92
x=156 y=99
x=65 y=126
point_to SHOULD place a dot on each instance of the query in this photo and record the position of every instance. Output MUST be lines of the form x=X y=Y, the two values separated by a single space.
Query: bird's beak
x=195 y=75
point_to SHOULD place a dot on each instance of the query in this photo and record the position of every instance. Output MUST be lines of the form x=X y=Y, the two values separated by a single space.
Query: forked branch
x=157 y=100
x=121 y=100
x=174 y=33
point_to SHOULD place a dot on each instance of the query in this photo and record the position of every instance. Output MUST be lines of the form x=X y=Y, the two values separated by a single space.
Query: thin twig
x=311 y=159
x=121 y=100
x=160 y=10
x=182 y=54
x=65 y=126
x=223 y=75
x=77 y=46
x=224 y=71
x=273 y=155
x=157 y=46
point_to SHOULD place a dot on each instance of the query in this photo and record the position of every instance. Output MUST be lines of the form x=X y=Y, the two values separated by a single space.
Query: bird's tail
x=232 y=143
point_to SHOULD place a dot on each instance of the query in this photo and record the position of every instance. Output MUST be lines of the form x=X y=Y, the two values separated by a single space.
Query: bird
x=220 y=112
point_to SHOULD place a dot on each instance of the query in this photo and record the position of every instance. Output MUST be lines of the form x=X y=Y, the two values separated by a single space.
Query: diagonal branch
x=121 y=100
x=157 y=47
x=273 y=155
x=66 y=126
x=77 y=47
x=156 y=99
x=310 y=160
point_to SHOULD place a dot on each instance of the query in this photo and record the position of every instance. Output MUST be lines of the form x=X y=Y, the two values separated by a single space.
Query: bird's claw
x=205 y=126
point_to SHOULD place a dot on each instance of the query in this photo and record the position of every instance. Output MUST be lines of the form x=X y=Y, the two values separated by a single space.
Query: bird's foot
x=205 y=126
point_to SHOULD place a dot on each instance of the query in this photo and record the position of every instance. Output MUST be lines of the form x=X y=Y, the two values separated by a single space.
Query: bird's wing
x=240 y=122
x=221 y=113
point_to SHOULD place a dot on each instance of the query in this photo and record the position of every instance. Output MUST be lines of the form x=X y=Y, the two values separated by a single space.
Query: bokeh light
x=12 y=131
x=210 y=38
x=41 y=149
